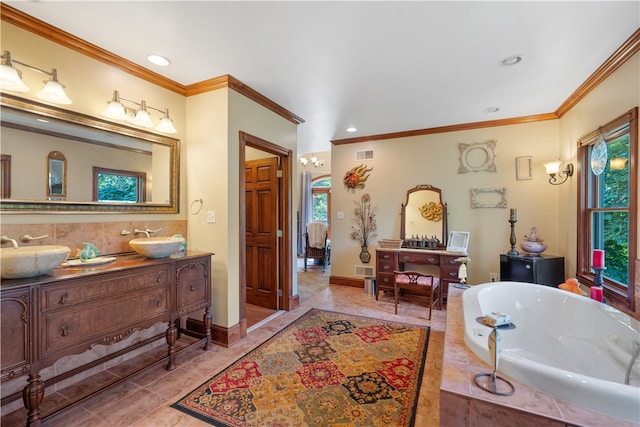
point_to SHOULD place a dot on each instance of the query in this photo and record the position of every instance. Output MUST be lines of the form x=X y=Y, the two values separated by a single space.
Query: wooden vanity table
x=423 y=216
x=388 y=260
x=73 y=309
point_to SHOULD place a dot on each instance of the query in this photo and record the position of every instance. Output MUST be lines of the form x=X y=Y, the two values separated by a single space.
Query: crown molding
x=49 y=32
x=450 y=128
x=615 y=61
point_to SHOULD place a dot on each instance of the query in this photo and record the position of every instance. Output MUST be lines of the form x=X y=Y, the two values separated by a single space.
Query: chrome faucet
x=146 y=231
x=136 y=231
x=627 y=374
x=25 y=238
x=7 y=239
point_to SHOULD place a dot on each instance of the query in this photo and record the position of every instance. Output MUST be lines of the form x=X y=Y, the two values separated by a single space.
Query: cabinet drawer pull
x=63 y=298
x=386 y=267
x=431 y=260
x=453 y=273
x=453 y=261
x=158 y=277
x=386 y=280
x=406 y=257
x=193 y=285
x=158 y=303
x=386 y=256
x=64 y=331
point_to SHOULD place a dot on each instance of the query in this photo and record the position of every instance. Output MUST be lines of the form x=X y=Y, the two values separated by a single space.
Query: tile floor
x=145 y=400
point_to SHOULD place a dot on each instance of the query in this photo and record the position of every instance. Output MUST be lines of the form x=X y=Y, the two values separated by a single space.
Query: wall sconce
x=11 y=80
x=553 y=169
x=138 y=116
x=617 y=163
x=313 y=160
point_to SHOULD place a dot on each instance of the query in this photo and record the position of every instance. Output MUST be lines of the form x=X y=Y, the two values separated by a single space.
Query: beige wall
x=401 y=164
x=90 y=84
x=215 y=120
x=614 y=97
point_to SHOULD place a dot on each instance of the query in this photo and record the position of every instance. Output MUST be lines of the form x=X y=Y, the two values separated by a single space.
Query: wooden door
x=261 y=216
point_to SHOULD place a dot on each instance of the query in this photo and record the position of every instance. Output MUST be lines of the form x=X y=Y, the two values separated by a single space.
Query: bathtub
x=564 y=344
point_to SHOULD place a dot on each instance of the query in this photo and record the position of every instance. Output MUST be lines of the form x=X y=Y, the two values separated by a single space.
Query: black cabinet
x=541 y=269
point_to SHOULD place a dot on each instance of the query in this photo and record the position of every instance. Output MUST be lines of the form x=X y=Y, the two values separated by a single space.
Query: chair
x=418 y=281
x=317 y=244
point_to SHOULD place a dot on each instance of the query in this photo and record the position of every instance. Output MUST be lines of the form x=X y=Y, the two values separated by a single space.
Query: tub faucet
x=634 y=356
x=7 y=239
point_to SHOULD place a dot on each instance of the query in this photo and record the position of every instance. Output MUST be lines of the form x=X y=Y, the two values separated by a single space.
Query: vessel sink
x=31 y=261
x=156 y=247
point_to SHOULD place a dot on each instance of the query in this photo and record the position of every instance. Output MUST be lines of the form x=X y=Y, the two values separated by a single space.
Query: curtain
x=306 y=209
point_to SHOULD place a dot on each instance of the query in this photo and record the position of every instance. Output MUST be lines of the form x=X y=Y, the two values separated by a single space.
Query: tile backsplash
x=106 y=236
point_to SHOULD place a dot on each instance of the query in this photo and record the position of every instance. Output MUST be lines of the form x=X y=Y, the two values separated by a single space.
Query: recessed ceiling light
x=491 y=109
x=158 y=60
x=512 y=60
x=351 y=129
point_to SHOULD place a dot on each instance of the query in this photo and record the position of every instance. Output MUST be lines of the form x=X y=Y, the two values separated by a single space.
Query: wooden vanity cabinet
x=14 y=329
x=75 y=309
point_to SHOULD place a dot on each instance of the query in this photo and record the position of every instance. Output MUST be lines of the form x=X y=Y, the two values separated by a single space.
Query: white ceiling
x=381 y=66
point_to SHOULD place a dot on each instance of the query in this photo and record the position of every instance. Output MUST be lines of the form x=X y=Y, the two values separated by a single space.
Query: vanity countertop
x=121 y=262
x=424 y=251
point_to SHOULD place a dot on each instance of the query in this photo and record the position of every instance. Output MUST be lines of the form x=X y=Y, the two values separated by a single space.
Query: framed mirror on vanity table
x=423 y=229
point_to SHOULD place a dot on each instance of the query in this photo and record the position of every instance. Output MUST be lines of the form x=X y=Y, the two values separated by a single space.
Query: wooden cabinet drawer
x=80 y=291
x=418 y=258
x=386 y=256
x=449 y=267
x=193 y=286
x=384 y=281
x=104 y=322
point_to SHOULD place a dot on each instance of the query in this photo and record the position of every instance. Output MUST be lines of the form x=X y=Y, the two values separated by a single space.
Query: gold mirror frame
x=11 y=102
x=424 y=214
x=55 y=159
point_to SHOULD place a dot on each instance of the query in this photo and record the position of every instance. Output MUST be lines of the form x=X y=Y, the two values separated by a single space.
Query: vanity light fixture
x=555 y=175
x=139 y=116
x=313 y=160
x=11 y=80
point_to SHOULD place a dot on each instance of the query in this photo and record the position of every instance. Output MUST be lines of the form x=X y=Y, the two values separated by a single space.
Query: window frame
x=141 y=178
x=616 y=295
x=322 y=190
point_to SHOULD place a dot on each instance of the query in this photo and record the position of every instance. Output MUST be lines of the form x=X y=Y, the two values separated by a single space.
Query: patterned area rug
x=325 y=369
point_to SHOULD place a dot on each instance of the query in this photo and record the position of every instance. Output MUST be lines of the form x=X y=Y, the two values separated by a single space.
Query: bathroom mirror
x=31 y=131
x=56 y=176
x=424 y=214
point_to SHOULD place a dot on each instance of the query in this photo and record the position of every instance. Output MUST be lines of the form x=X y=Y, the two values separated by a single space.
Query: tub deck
x=462 y=403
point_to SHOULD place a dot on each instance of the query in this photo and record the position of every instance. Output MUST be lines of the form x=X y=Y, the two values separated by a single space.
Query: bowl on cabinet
x=156 y=247
x=31 y=261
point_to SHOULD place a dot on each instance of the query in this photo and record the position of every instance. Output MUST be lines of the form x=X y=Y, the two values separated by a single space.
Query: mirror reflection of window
x=56 y=176
x=111 y=185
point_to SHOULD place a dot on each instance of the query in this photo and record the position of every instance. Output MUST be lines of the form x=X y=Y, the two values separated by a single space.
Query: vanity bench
x=75 y=309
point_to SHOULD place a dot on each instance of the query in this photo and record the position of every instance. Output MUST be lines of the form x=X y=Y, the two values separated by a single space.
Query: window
x=110 y=185
x=321 y=199
x=608 y=208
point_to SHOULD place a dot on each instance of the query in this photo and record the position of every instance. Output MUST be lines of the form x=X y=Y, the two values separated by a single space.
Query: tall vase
x=365 y=256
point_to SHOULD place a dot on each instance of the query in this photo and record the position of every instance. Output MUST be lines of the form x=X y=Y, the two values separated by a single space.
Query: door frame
x=285 y=155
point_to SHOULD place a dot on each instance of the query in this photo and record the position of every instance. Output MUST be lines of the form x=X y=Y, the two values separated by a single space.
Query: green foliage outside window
x=117 y=188
x=614 y=233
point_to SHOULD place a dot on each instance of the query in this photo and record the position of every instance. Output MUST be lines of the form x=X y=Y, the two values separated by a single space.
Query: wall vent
x=364 y=271
x=364 y=155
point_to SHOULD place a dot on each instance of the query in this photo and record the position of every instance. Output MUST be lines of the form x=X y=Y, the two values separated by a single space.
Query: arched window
x=321 y=198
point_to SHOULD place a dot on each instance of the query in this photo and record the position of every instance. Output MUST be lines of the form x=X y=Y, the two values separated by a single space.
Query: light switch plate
x=211 y=217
